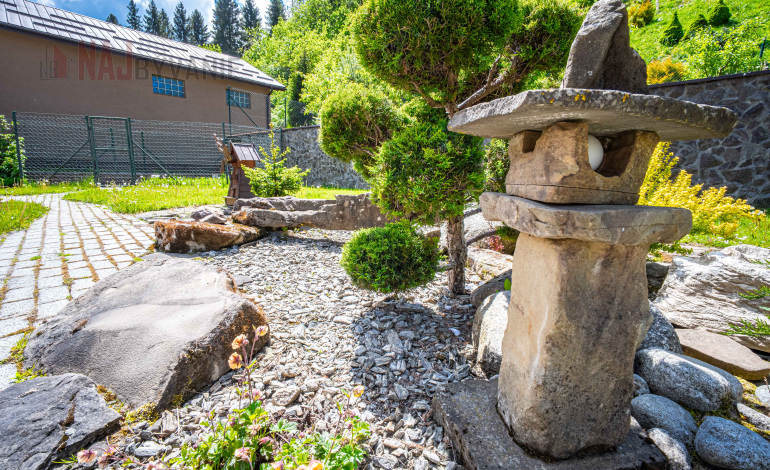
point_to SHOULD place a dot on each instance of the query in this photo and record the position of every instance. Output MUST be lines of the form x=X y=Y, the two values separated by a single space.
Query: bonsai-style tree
x=449 y=55
x=672 y=33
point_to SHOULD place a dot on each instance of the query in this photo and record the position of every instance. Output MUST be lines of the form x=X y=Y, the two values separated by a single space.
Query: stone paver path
x=57 y=259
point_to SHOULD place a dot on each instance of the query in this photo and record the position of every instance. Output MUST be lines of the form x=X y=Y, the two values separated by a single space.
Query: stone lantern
x=578 y=307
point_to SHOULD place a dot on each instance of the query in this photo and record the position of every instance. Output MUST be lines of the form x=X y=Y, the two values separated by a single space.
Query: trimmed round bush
x=393 y=258
x=719 y=14
x=673 y=33
x=699 y=24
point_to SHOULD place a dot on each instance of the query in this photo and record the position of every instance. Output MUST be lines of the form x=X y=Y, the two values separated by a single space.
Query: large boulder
x=152 y=332
x=488 y=330
x=661 y=334
x=346 y=212
x=601 y=56
x=48 y=418
x=705 y=293
x=488 y=264
x=725 y=444
x=655 y=411
x=685 y=380
x=176 y=236
x=721 y=351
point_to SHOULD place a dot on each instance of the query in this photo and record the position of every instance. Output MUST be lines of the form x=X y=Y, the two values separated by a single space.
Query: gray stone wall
x=741 y=161
x=324 y=170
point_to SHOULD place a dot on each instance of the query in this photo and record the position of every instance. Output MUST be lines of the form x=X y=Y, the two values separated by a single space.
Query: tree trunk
x=458 y=253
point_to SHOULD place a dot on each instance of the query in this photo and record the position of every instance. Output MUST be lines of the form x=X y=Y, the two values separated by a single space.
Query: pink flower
x=235 y=361
x=155 y=466
x=277 y=465
x=265 y=441
x=239 y=341
x=254 y=429
x=244 y=453
x=358 y=391
x=111 y=450
x=261 y=331
x=86 y=456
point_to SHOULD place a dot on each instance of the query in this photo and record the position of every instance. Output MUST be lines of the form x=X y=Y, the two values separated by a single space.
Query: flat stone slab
x=613 y=224
x=721 y=351
x=151 y=332
x=607 y=112
x=468 y=413
x=48 y=418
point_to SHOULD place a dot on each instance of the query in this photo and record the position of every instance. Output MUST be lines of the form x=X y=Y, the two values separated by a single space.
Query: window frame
x=173 y=87
x=232 y=97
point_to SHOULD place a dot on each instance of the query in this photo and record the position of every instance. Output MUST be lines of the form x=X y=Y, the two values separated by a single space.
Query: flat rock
x=285 y=396
x=149 y=332
x=721 y=351
x=488 y=330
x=676 y=453
x=661 y=334
x=488 y=264
x=607 y=113
x=467 y=412
x=759 y=420
x=208 y=214
x=655 y=411
x=614 y=224
x=601 y=56
x=490 y=287
x=763 y=395
x=686 y=380
x=729 y=445
x=176 y=236
x=347 y=212
x=704 y=293
x=49 y=418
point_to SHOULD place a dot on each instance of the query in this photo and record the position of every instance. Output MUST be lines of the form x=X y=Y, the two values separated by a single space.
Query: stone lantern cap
x=607 y=112
x=614 y=225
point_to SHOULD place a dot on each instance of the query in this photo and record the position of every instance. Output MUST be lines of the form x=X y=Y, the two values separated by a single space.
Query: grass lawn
x=33 y=188
x=165 y=193
x=18 y=215
x=751 y=232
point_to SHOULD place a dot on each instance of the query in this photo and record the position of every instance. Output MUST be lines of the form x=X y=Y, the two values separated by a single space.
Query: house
x=56 y=61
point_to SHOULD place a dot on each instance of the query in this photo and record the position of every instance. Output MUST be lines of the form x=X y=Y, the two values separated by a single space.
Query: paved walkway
x=57 y=259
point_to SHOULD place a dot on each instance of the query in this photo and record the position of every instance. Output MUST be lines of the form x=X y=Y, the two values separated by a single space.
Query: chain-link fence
x=247 y=108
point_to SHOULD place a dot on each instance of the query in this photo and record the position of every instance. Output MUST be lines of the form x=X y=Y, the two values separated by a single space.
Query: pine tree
x=164 y=29
x=152 y=19
x=199 y=30
x=133 y=20
x=228 y=32
x=275 y=11
x=113 y=19
x=251 y=18
x=182 y=26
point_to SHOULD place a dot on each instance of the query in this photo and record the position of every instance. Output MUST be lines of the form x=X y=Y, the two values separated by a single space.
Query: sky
x=99 y=9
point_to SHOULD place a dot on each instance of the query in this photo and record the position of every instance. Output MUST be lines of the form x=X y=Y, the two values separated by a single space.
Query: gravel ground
x=329 y=336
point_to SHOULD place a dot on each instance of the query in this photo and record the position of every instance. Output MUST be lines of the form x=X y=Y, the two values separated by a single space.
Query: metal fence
x=247 y=108
x=122 y=150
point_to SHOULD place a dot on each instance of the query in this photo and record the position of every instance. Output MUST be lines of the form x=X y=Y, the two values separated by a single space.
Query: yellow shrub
x=641 y=14
x=712 y=211
x=664 y=71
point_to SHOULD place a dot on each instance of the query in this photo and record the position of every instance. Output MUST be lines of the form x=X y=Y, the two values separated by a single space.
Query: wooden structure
x=238 y=156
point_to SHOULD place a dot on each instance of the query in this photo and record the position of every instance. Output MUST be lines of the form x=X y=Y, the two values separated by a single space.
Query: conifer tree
x=182 y=25
x=199 y=30
x=113 y=19
x=152 y=19
x=133 y=19
x=251 y=18
x=228 y=31
x=164 y=29
x=275 y=11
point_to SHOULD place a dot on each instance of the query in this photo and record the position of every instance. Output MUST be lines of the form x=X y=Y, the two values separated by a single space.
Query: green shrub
x=719 y=14
x=672 y=33
x=391 y=258
x=641 y=14
x=9 y=163
x=496 y=165
x=355 y=121
x=713 y=52
x=275 y=180
x=698 y=24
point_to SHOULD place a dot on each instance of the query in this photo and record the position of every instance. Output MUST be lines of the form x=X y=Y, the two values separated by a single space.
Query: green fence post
x=267 y=103
x=18 y=148
x=92 y=145
x=130 y=139
x=285 y=112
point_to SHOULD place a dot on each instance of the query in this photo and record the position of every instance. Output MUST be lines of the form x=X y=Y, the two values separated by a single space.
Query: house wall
x=33 y=79
x=741 y=161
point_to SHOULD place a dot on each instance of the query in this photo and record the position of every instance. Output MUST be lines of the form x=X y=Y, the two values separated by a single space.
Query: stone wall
x=324 y=170
x=740 y=161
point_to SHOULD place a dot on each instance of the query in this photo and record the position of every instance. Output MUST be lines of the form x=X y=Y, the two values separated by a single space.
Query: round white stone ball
x=595 y=152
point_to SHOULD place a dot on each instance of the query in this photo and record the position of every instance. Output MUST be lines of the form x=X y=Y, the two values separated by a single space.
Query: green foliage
x=507 y=284
x=673 y=32
x=496 y=165
x=276 y=12
x=641 y=14
x=19 y=215
x=716 y=52
x=356 y=121
x=9 y=163
x=756 y=294
x=657 y=249
x=274 y=179
x=426 y=174
x=227 y=26
x=133 y=19
x=757 y=329
x=719 y=15
x=699 y=24
x=393 y=258
x=211 y=47
x=200 y=32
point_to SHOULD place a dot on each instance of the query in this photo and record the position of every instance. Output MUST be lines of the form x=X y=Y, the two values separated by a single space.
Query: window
x=167 y=86
x=238 y=98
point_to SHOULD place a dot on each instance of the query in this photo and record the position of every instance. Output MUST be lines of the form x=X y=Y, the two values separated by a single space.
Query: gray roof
x=60 y=24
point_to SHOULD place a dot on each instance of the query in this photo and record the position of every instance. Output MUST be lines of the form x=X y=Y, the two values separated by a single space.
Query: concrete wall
x=325 y=171
x=741 y=161
x=27 y=84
